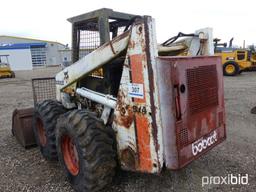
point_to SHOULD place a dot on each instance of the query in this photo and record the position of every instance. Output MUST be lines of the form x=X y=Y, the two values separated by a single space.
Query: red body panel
x=192 y=107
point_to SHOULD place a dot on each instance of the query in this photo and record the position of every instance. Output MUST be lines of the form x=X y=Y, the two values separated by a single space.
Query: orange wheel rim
x=41 y=132
x=70 y=155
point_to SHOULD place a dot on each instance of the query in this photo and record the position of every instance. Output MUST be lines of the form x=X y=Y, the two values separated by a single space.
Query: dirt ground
x=26 y=170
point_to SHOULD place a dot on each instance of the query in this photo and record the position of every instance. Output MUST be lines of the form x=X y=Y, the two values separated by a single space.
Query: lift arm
x=92 y=61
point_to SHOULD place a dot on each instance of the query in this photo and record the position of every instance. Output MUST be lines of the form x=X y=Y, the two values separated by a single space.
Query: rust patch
x=128 y=159
x=139 y=30
x=125 y=117
x=131 y=44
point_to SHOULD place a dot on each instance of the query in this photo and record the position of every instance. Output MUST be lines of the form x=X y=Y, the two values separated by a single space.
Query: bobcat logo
x=202 y=144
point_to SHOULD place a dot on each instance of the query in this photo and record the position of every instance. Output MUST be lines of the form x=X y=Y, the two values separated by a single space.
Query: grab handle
x=177 y=102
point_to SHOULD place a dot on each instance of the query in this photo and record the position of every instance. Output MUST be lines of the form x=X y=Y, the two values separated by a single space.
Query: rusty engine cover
x=170 y=110
x=192 y=107
x=22 y=126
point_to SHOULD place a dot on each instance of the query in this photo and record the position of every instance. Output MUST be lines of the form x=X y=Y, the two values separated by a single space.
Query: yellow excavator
x=234 y=60
x=5 y=69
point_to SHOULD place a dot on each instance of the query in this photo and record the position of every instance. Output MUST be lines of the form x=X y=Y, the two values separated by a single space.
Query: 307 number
x=135 y=89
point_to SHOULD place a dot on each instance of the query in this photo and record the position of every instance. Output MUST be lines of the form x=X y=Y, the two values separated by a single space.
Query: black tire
x=236 y=68
x=44 y=124
x=12 y=74
x=95 y=159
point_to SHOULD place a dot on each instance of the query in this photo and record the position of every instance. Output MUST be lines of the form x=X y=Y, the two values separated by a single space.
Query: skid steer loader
x=142 y=113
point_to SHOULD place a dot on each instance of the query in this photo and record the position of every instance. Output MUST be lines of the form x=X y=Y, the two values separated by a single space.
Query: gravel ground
x=26 y=170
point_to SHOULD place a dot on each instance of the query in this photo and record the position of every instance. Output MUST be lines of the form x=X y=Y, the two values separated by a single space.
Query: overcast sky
x=46 y=19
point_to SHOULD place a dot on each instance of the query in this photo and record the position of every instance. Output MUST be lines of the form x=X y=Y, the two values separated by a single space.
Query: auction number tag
x=136 y=90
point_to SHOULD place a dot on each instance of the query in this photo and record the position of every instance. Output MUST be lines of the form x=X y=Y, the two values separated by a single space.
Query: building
x=26 y=53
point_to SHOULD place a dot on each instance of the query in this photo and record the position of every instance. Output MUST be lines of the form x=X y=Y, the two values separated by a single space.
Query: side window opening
x=240 y=55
